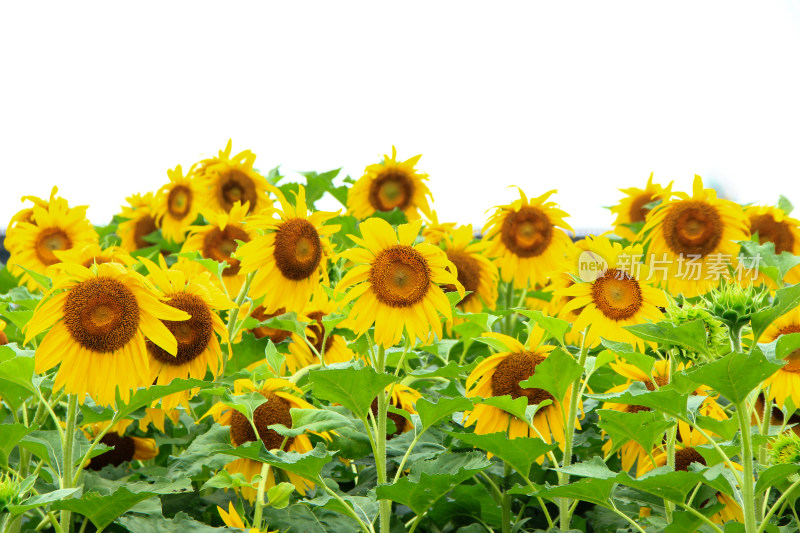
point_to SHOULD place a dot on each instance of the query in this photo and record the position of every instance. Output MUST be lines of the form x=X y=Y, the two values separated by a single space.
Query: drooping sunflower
x=500 y=375
x=693 y=239
x=476 y=273
x=396 y=284
x=527 y=242
x=124 y=448
x=141 y=222
x=619 y=296
x=217 y=241
x=785 y=382
x=403 y=397
x=55 y=227
x=335 y=349
x=227 y=179
x=632 y=210
x=99 y=320
x=772 y=224
x=177 y=205
x=198 y=346
x=390 y=184
x=93 y=254
x=281 y=396
x=289 y=259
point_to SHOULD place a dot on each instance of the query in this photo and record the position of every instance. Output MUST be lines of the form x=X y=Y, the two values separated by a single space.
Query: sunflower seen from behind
x=395 y=284
x=177 y=205
x=289 y=258
x=528 y=241
x=693 y=240
x=388 y=185
x=99 y=320
x=632 y=208
x=228 y=179
x=476 y=273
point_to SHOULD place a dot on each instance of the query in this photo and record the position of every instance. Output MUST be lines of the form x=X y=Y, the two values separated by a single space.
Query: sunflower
x=434 y=231
x=26 y=214
x=785 y=382
x=632 y=210
x=281 y=396
x=527 y=243
x=141 y=222
x=259 y=332
x=123 y=448
x=396 y=284
x=198 y=347
x=55 y=227
x=3 y=336
x=177 y=205
x=772 y=224
x=232 y=519
x=388 y=185
x=403 y=397
x=93 y=254
x=289 y=259
x=476 y=273
x=500 y=375
x=335 y=349
x=157 y=417
x=217 y=241
x=619 y=296
x=228 y=179
x=99 y=319
x=693 y=239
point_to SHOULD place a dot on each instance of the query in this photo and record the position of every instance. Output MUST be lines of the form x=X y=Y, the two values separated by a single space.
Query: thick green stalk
x=259 y=508
x=763 y=452
x=506 y=502
x=385 y=506
x=672 y=434
x=66 y=445
x=748 y=480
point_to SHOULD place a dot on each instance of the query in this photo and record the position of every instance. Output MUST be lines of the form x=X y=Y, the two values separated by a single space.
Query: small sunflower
x=33 y=244
x=395 y=284
x=618 y=297
x=141 y=222
x=694 y=238
x=177 y=205
x=476 y=273
x=92 y=254
x=26 y=214
x=527 y=243
x=434 y=231
x=228 y=179
x=500 y=375
x=217 y=241
x=275 y=335
x=289 y=259
x=335 y=349
x=99 y=319
x=280 y=396
x=388 y=185
x=785 y=382
x=772 y=224
x=631 y=209
x=124 y=448
x=405 y=398
x=198 y=347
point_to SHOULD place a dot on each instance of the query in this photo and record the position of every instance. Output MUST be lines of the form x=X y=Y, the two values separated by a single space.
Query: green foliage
x=350 y=386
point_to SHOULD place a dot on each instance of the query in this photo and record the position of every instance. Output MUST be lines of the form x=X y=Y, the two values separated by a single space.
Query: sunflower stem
x=778 y=504
x=672 y=434
x=735 y=332
x=66 y=445
x=506 y=502
x=259 y=508
x=747 y=476
x=385 y=506
x=766 y=417
x=233 y=315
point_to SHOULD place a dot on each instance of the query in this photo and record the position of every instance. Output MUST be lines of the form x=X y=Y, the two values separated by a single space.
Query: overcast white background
x=102 y=98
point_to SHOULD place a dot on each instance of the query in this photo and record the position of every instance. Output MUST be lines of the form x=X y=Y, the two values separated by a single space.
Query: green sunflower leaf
x=311 y=420
x=519 y=453
x=215 y=267
x=556 y=327
x=763 y=258
x=555 y=374
x=145 y=397
x=287 y=322
x=40 y=500
x=735 y=375
x=785 y=300
x=180 y=523
x=307 y=465
x=431 y=413
x=644 y=427
x=667 y=401
x=514 y=407
x=350 y=386
x=691 y=335
x=593 y=490
x=774 y=475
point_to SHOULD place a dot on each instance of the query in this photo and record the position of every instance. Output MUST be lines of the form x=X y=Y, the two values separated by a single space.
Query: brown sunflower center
x=179 y=201
x=638 y=211
x=636 y=408
x=236 y=186
x=274 y=411
x=660 y=381
x=3 y=338
x=143 y=227
x=318 y=332
x=96 y=260
x=49 y=240
x=469 y=273
x=616 y=294
x=527 y=232
x=123 y=449
x=693 y=228
x=193 y=335
x=686 y=456
x=400 y=276
x=298 y=250
x=220 y=244
x=769 y=230
x=276 y=335
x=513 y=369
x=101 y=314
x=393 y=188
x=399 y=421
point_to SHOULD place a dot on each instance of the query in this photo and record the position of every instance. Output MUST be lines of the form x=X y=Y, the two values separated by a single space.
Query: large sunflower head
x=198 y=347
x=55 y=227
x=476 y=273
x=527 y=241
x=177 y=204
x=396 y=284
x=388 y=185
x=289 y=258
x=280 y=396
x=694 y=240
x=141 y=222
x=228 y=179
x=615 y=292
x=632 y=208
x=99 y=319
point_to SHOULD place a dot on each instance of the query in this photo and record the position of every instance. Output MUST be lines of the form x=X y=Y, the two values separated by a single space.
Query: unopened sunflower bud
x=785 y=449
x=735 y=304
x=9 y=491
x=717 y=332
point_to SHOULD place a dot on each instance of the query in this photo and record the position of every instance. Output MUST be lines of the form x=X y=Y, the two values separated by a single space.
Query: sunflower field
x=225 y=356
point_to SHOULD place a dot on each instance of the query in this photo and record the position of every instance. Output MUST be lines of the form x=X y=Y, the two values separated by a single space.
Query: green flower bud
x=10 y=490
x=734 y=304
x=716 y=331
x=785 y=449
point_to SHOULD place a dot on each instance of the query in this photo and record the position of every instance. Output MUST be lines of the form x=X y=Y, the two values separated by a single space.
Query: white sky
x=102 y=98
